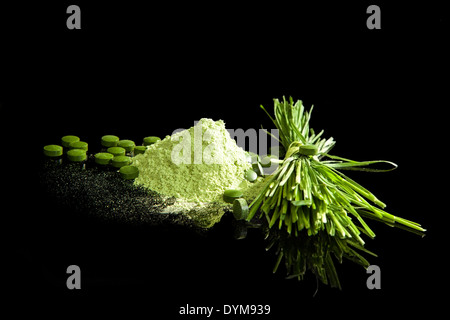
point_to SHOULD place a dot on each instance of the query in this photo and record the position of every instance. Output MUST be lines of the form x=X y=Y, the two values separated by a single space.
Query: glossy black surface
x=134 y=72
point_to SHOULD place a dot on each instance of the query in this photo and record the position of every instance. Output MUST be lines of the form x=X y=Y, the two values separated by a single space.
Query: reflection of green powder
x=196 y=166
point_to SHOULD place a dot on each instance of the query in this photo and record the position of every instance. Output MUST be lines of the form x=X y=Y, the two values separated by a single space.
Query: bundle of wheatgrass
x=312 y=209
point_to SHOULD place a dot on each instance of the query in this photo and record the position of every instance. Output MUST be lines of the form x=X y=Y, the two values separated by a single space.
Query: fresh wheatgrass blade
x=350 y=164
x=311 y=202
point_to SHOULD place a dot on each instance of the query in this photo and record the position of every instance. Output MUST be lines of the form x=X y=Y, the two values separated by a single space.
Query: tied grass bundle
x=318 y=211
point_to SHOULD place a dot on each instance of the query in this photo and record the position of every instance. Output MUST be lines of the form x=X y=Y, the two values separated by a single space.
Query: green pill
x=266 y=161
x=110 y=141
x=116 y=151
x=308 y=149
x=250 y=175
x=150 y=140
x=258 y=168
x=79 y=145
x=76 y=155
x=129 y=172
x=139 y=149
x=103 y=158
x=231 y=194
x=240 y=209
x=53 y=150
x=254 y=157
x=248 y=157
x=128 y=145
x=67 y=140
x=120 y=161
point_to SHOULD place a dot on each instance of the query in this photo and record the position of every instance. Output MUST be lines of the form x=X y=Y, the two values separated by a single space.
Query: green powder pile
x=195 y=166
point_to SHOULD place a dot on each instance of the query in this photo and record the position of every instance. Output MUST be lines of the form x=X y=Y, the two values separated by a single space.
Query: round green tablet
x=139 y=149
x=231 y=194
x=258 y=168
x=150 y=140
x=266 y=161
x=129 y=172
x=67 y=140
x=240 y=209
x=250 y=175
x=76 y=155
x=103 y=158
x=120 y=161
x=254 y=157
x=79 y=145
x=308 y=149
x=53 y=150
x=116 y=151
x=128 y=145
x=110 y=141
x=248 y=157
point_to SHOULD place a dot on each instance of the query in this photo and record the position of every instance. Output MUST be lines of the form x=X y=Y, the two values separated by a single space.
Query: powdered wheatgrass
x=195 y=166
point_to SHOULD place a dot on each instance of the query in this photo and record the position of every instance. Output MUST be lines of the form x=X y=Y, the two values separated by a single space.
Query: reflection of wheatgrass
x=195 y=166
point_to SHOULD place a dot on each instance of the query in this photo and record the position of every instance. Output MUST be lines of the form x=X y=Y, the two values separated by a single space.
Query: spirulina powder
x=195 y=166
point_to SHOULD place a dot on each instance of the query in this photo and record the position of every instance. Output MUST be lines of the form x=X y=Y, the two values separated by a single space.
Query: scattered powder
x=195 y=166
x=252 y=189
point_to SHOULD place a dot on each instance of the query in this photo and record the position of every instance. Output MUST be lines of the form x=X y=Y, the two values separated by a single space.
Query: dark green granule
x=105 y=194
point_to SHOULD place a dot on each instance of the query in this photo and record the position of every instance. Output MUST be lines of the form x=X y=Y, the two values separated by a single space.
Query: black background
x=136 y=71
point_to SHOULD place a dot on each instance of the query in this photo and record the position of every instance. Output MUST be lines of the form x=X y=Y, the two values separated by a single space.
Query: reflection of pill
x=116 y=151
x=139 y=149
x=67 y=140
x=120 y=161
x=110 y=141
x=250 y=175
x=79 y=145
x=129 y=172
x=150 y=140
x=240 y=209
x=103 y=158
x=128 y=145
x=76 y=155
x=308 y=149
x=240 y=230
x=231 y=194
x=53 y=150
